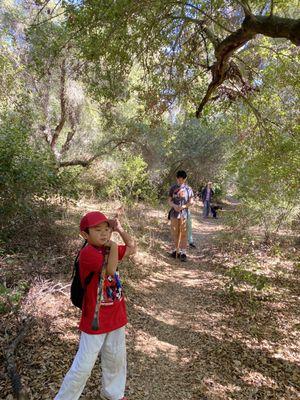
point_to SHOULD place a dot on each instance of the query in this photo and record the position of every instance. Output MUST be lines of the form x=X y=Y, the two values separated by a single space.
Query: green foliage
x=218 y=191
x=131 y=181
x=140 y=60
x=29 y=176
x=168 y=41
x=11 y=297
x=245 y=275
x=196 y=147
x=267 y=180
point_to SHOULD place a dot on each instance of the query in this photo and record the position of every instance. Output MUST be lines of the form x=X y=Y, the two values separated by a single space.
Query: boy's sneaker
x=183 y=257
x=192 y=245
x=173 y=254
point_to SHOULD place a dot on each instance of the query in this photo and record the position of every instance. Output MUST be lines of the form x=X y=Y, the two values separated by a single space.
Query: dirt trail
x=187 y=341
x=187 y=338
x=177 y=318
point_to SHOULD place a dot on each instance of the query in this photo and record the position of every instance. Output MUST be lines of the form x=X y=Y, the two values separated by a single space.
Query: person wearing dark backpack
x=103 y=317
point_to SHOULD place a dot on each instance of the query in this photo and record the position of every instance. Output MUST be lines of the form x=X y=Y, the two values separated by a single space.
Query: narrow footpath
x=178 y=321
x=188 y=337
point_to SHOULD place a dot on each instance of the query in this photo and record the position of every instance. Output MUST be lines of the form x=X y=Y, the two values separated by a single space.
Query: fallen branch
x=9 y=355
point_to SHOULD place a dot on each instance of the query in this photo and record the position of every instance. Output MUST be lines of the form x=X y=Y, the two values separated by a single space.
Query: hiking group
x=181 y=198
x=97 y=290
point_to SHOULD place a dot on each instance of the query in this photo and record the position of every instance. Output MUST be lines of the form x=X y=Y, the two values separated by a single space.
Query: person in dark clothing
x=207 y=195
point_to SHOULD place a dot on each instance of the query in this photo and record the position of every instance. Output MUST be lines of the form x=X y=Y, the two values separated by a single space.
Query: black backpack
x=77 y=290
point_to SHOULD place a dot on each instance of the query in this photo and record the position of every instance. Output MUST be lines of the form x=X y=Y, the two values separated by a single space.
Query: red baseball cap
x=93 y=218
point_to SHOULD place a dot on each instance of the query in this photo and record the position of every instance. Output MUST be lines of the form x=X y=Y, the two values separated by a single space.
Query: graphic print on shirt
x=181 y=195
x=111 y=290
x=111 y=287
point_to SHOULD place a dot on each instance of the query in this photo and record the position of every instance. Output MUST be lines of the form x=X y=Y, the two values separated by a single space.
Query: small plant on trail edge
x=240 y=275
x=10 y=298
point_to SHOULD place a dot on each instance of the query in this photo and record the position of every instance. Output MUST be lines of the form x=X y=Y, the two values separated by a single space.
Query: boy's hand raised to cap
x=116 y=225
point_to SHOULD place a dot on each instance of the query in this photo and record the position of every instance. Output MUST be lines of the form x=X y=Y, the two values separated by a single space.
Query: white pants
x=112 y=348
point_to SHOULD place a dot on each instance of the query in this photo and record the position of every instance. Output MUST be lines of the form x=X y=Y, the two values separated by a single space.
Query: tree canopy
x=197 y=52
x=94 y=82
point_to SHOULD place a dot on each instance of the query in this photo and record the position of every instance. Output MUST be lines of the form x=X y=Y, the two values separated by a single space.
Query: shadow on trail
x=199 y=356
x=204 y=291
x=179 y=362
x=186 y=334
x=189 y=332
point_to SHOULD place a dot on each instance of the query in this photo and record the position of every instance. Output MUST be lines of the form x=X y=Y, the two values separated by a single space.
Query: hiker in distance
x=180 y=198
x=103 y=318
x=207 y=195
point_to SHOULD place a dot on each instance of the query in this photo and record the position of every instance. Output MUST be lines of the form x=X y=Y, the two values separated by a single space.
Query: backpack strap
x=95 y=322
x=91 y=274
x=76 y=260
x=88 y=279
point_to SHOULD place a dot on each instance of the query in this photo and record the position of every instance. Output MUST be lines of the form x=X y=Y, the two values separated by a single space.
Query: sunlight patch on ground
x=257 y=379
x=171 y=317
x=214 y=390
x=153 y=347
x=187 y=337
x=143 y=258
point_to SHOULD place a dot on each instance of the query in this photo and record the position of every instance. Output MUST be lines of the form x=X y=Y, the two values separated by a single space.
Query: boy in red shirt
x=109 y=339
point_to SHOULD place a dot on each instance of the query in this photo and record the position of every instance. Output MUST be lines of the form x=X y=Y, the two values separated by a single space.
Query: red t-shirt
x=111 y=316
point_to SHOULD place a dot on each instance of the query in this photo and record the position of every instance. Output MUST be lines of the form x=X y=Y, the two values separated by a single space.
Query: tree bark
x=63 y=107
x=274 y=26
x=88 y=161
x=82 y=163
x=271 y=26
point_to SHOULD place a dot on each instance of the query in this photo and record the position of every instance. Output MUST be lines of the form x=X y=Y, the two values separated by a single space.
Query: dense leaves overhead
x=187 y=49
x=103 y=80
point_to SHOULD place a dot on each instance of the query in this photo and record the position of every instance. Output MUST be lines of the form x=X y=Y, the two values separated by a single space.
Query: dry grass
x=188 y=336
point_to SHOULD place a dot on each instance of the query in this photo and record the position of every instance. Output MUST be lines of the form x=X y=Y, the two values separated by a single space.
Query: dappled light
x=184 y=321
x=149 y=184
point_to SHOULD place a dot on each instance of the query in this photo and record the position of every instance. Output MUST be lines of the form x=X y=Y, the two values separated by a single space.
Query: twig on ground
x=9 y=355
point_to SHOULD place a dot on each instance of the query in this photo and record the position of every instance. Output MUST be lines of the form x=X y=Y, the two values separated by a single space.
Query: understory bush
x=267 y=183
x=129 y=181
x=29 y=176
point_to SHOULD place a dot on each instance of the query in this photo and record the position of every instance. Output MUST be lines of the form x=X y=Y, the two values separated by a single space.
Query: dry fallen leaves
x=187 y=337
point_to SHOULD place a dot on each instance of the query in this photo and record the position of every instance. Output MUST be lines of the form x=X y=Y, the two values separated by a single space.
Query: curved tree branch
x=87 y=162
x=10 y=363
x=271 y=26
